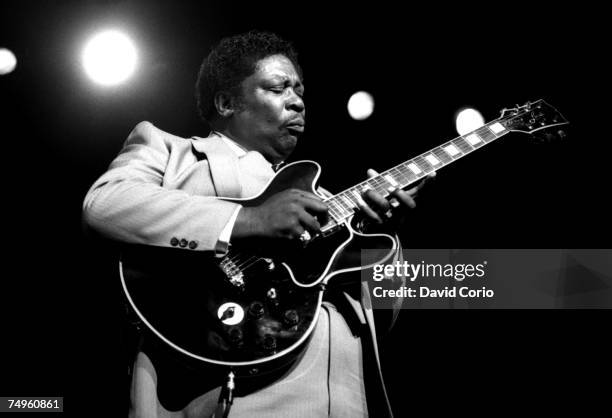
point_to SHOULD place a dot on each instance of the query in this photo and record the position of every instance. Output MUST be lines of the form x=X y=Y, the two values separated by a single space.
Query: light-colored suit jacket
x=163 y=190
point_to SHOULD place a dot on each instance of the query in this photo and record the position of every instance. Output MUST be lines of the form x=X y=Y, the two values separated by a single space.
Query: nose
x=295 y=102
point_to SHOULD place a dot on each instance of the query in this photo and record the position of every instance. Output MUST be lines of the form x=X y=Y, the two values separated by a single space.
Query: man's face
x=270 y=115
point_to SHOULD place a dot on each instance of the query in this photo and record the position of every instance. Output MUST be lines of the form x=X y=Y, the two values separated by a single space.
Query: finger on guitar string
x=426 y=180
x=376 y=203
x=402 y=197
x=369 y=212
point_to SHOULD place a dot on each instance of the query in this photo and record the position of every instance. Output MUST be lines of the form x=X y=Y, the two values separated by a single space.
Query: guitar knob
x=272 y=298
x=230 y=313
x=256 y=310
x=291 y=317
x=235 y=336
x=269 y=343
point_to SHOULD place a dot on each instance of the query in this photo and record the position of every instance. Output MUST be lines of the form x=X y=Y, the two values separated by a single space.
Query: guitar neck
x=344 y=204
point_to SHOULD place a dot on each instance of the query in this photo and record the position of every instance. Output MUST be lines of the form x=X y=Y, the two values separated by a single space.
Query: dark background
x=60 y=304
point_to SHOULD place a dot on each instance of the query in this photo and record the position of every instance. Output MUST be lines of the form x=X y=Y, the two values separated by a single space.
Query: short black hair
x=231 y=61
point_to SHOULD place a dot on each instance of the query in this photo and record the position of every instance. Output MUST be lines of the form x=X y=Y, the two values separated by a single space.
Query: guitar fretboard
x=344 y=204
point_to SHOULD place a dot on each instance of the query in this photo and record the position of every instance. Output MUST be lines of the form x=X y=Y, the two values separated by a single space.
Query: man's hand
x=390 y=213
x=284 y=216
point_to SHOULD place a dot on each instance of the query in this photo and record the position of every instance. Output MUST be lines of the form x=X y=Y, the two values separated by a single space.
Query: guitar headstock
x=533 y=117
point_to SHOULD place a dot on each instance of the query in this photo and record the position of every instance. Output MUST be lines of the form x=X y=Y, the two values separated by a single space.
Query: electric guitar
x=248 y=312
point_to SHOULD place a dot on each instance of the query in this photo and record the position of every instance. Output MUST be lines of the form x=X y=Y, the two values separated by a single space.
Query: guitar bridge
x=233 y=272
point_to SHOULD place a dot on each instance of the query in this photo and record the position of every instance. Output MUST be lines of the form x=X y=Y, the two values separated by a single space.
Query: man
x=162 y=190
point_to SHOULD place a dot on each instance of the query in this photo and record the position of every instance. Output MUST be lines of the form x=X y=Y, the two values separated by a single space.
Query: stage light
x=8 y=62
x=109 y=58
x=361 y=105
x=468 y=120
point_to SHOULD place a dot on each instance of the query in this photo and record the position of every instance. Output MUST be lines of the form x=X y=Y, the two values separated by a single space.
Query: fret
x=415 y=169
x=397 y=174
x=382 y=185
x=404 y=175
x=497 y=128
x=357 y=196
x=391 y=180
x=336 y=207
x=349 y=197
x=368 y=184
x=433 y=160
x=463 y=145
x=424 y=165
x=486 y=134
x=337 y=217
x=378 y=184
x=345 y=202
x=474 y=140
x=442 y=156
x=408 y=174
x=452 y=150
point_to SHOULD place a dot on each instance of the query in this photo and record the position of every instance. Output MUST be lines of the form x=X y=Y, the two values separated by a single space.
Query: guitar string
x=245 y=264
x=459 y=141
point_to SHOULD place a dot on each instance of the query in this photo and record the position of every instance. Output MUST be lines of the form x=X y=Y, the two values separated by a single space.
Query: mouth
x=299 y=128
x=295 y=125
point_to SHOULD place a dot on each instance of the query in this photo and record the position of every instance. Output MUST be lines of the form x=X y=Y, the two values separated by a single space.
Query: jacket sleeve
x=129 y=204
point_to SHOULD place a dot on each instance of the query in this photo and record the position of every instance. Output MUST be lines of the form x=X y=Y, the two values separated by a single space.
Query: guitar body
x=246 y=312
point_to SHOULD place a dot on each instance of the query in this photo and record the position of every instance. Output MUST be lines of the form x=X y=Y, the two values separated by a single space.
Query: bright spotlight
x=361 y=105
x=468 y=120
x=8 y=62
x=109 y=58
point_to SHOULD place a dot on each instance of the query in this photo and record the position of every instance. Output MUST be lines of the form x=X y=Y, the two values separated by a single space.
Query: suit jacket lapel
x=232 y=176
x=255 y=173
x=223 y=165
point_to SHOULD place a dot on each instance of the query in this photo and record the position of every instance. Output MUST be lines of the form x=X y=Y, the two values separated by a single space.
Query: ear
x=224 y=103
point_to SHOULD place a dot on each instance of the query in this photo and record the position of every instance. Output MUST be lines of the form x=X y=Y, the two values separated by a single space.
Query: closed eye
x=298 y=89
